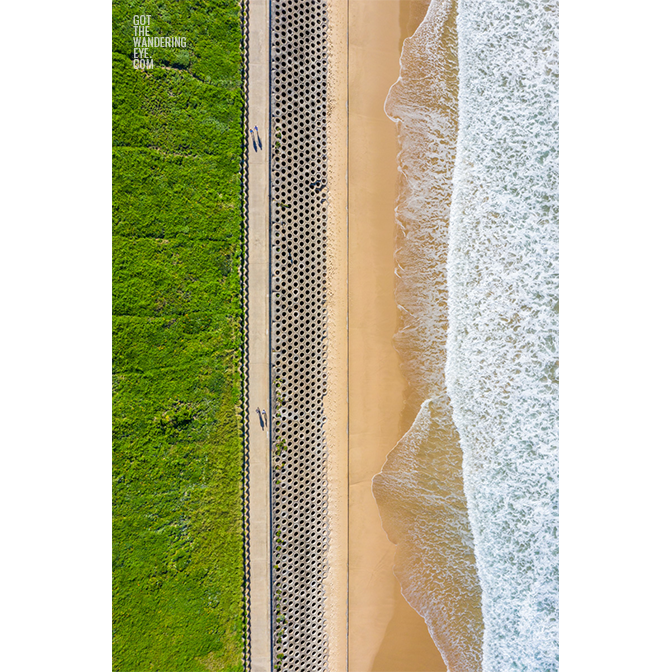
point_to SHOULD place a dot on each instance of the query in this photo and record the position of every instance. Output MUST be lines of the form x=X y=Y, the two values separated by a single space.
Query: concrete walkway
x=259 y=383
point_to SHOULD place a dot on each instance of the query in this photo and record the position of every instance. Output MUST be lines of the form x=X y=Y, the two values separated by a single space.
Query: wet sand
x=384 y=633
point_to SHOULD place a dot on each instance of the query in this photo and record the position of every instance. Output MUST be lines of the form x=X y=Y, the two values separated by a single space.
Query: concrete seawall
x=298 y=204
x=296 y=336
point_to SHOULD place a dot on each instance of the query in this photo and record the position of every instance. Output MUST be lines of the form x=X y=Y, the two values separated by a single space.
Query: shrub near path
x=177 y=455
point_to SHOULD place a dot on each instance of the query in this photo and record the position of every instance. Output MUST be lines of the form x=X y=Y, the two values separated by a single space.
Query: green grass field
x=177 y=453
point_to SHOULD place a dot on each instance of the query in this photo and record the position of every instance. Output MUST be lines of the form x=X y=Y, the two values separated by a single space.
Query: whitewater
x=470 y=493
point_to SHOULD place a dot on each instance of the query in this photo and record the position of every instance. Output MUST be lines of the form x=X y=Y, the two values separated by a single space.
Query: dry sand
x=336 y=400
x=384 y=633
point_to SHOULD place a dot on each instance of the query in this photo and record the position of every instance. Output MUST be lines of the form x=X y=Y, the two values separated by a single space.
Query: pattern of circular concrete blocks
x=298 y=331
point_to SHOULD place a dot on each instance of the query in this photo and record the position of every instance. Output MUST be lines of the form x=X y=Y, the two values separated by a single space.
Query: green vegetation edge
x=177 y=449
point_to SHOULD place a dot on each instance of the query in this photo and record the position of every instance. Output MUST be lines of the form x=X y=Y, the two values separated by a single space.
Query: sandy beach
x=384 y=633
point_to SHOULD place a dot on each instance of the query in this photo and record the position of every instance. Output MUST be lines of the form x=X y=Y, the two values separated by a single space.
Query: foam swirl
x=503 y=307
x=419 y=491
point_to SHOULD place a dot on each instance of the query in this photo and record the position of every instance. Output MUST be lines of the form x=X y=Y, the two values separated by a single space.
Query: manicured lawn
x=177 y=452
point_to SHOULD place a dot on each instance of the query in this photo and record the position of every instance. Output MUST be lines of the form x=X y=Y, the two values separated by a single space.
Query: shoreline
x=385 y=633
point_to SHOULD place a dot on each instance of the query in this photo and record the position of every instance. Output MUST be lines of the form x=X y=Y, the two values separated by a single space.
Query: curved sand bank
x=385 y=634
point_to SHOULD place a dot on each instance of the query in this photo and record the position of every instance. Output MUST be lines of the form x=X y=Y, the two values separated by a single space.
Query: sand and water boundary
x=385 y=633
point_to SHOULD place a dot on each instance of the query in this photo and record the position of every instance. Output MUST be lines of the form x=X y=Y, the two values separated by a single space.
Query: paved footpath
x=259 y=365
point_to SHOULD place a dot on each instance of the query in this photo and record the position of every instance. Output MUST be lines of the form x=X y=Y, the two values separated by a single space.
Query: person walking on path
x=261 y=420
x=254 y=143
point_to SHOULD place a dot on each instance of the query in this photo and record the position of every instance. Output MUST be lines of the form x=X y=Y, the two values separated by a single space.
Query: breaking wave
x=502 y=359
x=419 y=491
x=481 y=202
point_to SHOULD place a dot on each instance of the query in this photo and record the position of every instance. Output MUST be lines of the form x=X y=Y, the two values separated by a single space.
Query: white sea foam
x=499 y=238
x=419 y=491
x=503 y=308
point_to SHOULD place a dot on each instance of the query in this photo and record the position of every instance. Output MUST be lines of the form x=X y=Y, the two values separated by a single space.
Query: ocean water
x=419 y=491
x=470 y=493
